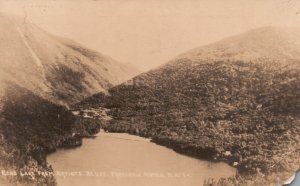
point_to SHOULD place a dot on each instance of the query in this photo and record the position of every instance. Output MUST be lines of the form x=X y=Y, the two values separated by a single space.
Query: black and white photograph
x=149 y=92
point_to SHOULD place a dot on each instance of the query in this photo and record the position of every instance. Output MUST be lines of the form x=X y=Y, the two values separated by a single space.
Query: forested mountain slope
x=237 y=100
x=30 y=127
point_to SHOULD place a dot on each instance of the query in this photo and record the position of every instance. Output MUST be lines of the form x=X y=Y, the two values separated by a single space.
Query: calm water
x=126 y=160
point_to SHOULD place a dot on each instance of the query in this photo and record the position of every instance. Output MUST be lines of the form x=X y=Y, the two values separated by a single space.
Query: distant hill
x=57 y=69
x=275 y=43
x=237 y=100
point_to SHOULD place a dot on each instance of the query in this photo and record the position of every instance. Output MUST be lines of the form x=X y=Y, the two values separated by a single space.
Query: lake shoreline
x=132 y=145
x=210 y=155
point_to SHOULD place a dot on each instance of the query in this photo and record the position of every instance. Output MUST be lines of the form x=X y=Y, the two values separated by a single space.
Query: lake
x=114 y=159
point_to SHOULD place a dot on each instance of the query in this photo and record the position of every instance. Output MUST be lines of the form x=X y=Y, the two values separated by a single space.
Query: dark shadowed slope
x=30 y=127
x=237 y=100
x=57 y=69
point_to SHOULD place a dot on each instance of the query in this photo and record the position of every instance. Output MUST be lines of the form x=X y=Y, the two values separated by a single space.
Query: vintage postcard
x=149 y=92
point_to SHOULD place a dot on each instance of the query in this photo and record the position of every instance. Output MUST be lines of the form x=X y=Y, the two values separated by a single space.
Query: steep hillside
x=40 y=74
x=32 y=127
x=29 y=128
x=54 y=68
x=237 y=100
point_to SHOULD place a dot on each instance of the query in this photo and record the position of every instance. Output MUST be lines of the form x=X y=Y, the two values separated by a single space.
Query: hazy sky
x=147 y=33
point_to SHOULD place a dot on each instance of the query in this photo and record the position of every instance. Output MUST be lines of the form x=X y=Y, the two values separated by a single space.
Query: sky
x=148 y=33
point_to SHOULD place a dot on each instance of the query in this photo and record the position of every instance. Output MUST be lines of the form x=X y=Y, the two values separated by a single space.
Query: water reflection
x=122 y=159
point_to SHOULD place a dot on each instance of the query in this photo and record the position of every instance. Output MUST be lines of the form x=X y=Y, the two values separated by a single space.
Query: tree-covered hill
x=239 y=104
x=31 y=128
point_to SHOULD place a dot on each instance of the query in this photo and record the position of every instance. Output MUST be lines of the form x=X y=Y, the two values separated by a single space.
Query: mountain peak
x=54 y=68
x=279 y=43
